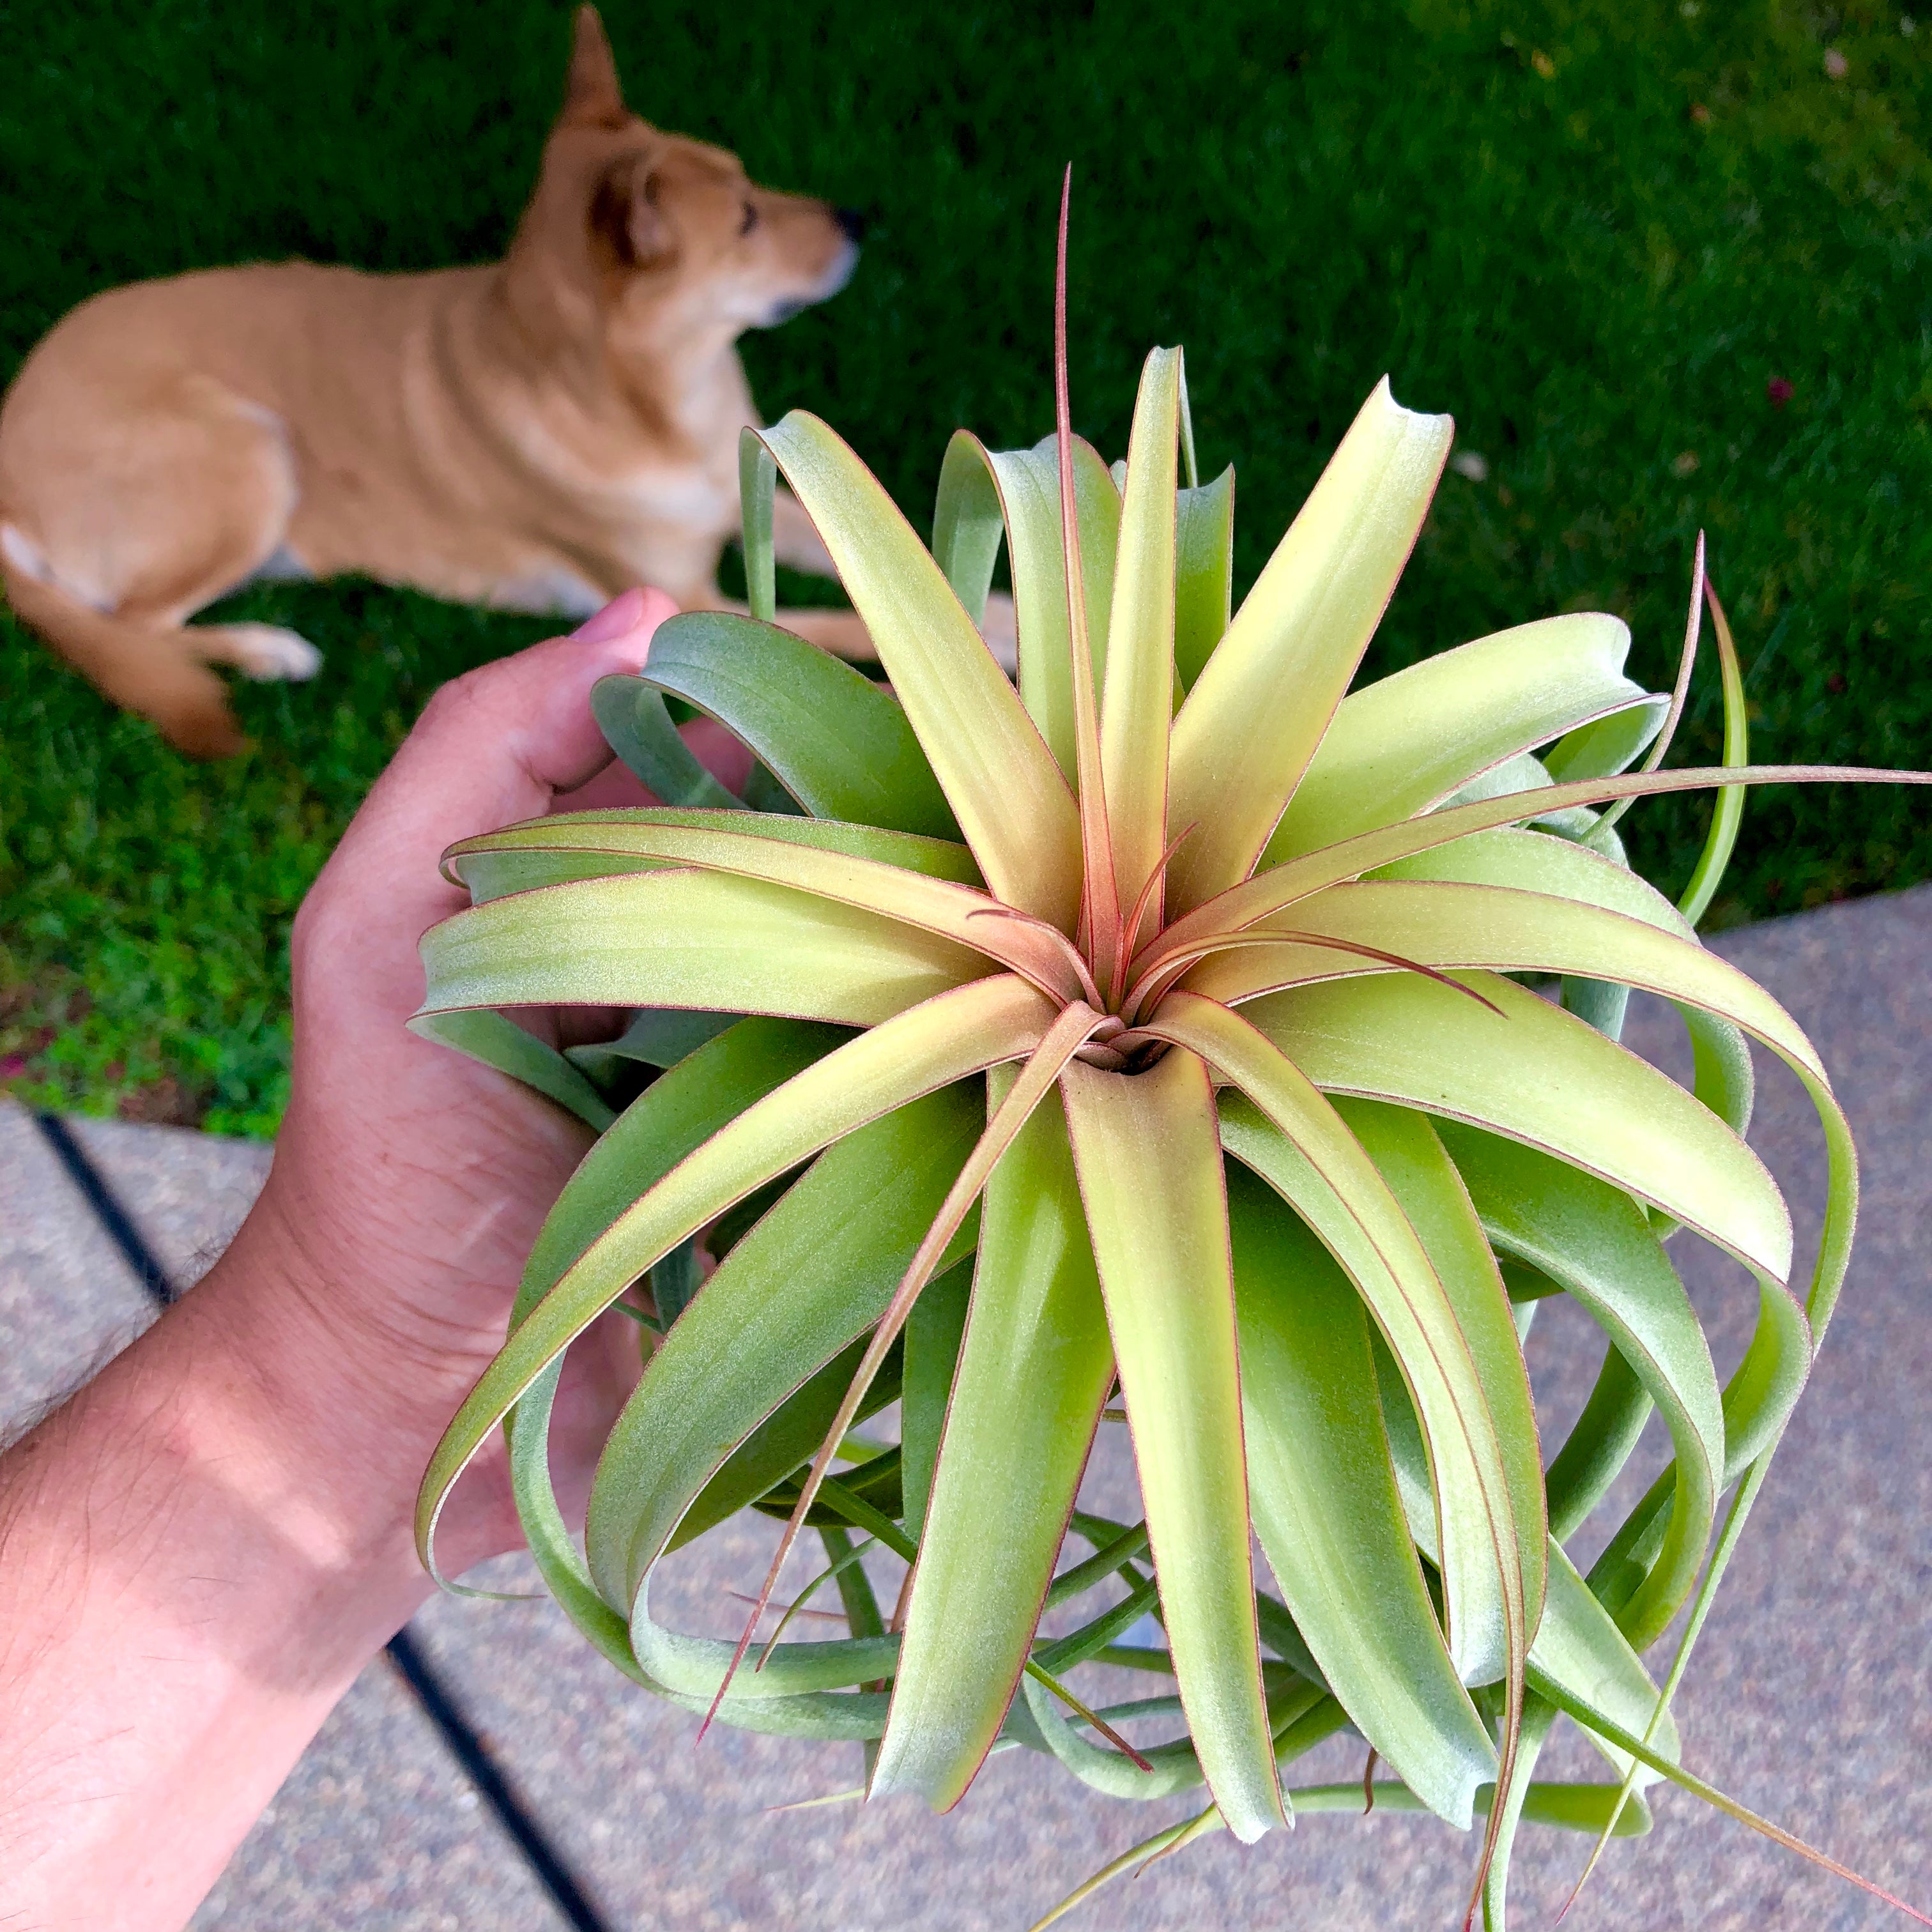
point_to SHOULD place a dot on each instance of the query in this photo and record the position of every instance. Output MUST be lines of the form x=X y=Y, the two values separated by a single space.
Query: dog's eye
x=751 y=220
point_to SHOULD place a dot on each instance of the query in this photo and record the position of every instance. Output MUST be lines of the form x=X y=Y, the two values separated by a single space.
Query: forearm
x=193 y=1570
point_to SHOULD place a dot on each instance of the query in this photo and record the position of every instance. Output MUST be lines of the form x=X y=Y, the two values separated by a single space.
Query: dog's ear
x=593 y=96
x=625 y=217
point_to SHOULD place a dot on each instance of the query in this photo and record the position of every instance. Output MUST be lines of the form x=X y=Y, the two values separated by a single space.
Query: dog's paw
x=1001 y=628
x=270 y=655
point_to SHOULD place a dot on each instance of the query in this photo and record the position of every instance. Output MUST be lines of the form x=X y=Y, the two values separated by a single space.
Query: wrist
x=188 y=1589
x=288 y=1472
x=356 y=1375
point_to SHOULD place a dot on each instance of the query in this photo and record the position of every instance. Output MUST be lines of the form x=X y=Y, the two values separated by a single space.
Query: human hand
x=409 y=1182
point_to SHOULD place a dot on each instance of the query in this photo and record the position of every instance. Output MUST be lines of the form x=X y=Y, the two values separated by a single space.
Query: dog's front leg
x=797 y=544
x=795 y=539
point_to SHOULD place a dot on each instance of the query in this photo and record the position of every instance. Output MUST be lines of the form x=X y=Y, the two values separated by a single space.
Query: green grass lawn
x=1596 y=232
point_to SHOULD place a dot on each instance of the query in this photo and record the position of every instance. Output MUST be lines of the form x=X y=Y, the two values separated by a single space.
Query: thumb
x=491 y=748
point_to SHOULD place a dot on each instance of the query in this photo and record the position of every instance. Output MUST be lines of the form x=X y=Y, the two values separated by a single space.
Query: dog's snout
x=851 y=223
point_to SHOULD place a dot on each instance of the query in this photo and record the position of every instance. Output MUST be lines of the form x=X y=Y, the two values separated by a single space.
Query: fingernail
x=621 y=614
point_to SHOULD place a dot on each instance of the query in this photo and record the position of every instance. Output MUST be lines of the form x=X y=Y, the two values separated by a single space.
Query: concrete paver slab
x=187 y=1193
x=376 y=1828
x=67 y=1299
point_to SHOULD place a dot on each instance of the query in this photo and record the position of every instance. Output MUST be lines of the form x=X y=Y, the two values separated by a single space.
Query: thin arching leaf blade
x=981 y=491
x=1591 y=1238
x=631 y=716
x=1400 y=1037
x=1279 y=1124
x=810 y=1279
x=701 y=940
x=841 y=870
x=622 y=833
x=1407 y=742
x=935 y=1330
x=1204 y=574
x=945 y=1040
x=498 y=1043
x=666 y=1123
x=1409 y=1155
x=1238 y=906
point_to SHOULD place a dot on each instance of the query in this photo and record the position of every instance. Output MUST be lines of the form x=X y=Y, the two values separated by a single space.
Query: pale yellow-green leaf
x=1402 y=744
x=1410 y=1157
x=1035 y=1366
x=810 y=1279
x=1260 y=705
x=1326 y=1508
x=1279 y=1125
x=1149 y=1161
x=980 y=490
x=937 y=906
x=1395 y=1037
x=957 y=1034
x=1012 y=804
x=1137 y=693
x=702 y=939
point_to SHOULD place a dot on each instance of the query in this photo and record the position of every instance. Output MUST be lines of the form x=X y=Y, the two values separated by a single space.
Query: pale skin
x=201 y=1550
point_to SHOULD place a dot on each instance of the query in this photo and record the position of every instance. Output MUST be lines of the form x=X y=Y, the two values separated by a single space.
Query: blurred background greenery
x=1666 y=261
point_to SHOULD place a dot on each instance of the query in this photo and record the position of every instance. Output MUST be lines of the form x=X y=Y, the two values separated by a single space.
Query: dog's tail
x=155 y=671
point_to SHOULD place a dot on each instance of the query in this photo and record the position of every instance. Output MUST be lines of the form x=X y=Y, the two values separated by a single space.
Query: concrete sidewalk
x=1808 y=1700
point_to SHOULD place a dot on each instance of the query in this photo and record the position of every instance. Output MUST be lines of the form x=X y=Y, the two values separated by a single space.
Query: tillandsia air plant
x=1175 y=1023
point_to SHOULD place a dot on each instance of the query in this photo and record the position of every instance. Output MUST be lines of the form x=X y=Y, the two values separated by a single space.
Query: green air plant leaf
x=632 y=717
x=985 y=494
x=1149 y=1160
x=500 y=1042
x=1034 y=1371
x=1137 y=708
x=831 y=738
x=1327 y=1511
x=654 y=1037
x=1204 y=574
x=1258 y=711
x=1398 y=747
x=1168 y=1023
x=1009 y=797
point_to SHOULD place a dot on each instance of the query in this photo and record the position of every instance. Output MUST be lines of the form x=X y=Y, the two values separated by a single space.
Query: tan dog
x=537 y=435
